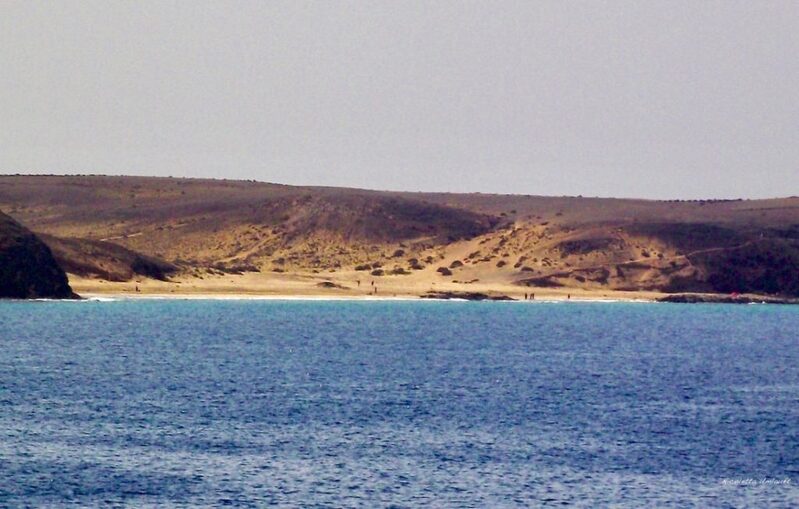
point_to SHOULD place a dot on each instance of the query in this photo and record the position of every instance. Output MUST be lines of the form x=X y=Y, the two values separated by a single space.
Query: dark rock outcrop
x=28 y=269
x=715 y=298
x=330 y=284
x=464 y=296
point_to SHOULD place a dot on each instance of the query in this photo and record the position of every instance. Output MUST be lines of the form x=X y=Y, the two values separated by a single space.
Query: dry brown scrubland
x=168 y=235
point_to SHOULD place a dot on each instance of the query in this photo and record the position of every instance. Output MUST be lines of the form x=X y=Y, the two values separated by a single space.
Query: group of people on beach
x=532 y=296
x=373 y=291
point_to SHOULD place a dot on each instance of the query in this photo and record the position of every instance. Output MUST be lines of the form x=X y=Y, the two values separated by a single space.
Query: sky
x=652 y=99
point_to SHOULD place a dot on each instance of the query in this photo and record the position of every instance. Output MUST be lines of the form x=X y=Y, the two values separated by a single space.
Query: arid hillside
x=119 y=228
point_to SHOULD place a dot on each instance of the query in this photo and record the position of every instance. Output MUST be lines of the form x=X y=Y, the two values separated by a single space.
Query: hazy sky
x=656 y=99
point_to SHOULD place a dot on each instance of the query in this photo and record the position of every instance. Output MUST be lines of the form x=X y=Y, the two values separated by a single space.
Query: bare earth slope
x=200 y=232
x=105 y=260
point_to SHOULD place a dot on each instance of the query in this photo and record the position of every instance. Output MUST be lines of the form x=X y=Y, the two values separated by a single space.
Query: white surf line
x=330 y=298
x=159 y=296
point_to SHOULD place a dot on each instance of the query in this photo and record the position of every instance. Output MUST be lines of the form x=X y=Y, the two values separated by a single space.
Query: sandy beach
x=338 y=286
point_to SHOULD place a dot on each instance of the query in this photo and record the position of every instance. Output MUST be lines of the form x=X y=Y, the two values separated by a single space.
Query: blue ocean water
x=398 y=404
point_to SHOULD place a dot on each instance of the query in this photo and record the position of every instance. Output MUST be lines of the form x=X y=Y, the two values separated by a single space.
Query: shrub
x=444 y=271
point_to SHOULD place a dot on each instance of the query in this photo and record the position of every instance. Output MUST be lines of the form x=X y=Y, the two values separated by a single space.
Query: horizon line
x=373 y=190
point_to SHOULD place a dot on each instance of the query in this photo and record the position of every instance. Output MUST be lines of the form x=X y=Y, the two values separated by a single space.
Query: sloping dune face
x=105 y=260
x=27 y=267
x=107 y=225
x=664 y=257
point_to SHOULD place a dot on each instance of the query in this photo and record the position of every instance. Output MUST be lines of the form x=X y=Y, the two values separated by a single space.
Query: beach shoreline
x=339 y=288
x=347 y=288
x=333 y=298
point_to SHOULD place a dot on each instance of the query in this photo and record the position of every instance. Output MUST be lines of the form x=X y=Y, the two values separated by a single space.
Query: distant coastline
x=130 y=235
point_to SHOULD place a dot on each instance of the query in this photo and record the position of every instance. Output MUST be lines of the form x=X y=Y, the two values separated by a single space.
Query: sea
x=254 y=403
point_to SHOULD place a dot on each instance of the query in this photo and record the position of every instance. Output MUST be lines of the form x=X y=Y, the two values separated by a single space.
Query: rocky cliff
x=27 y=267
